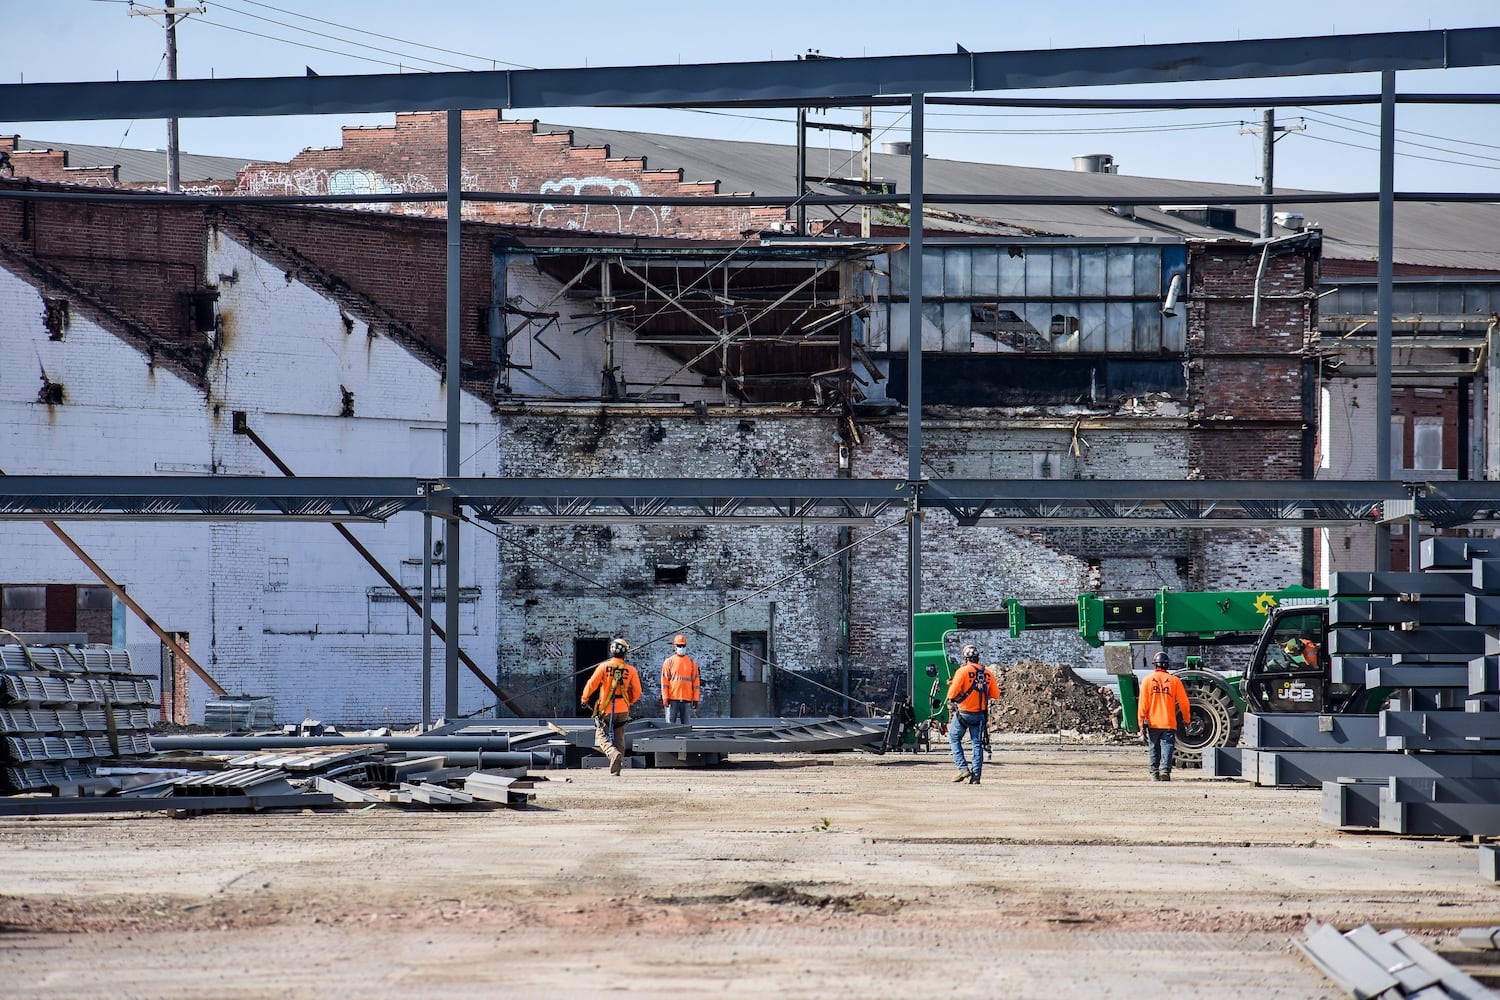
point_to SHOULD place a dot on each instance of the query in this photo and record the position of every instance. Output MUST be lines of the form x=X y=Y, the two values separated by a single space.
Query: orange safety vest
x=1163 y=696
x=679 y=678
x=617 y=685
x=1307 y=651
x=973 y=693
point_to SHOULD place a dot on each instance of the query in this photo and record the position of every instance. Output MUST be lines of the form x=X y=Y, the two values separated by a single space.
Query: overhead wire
x=319 y=34
x=389 y=38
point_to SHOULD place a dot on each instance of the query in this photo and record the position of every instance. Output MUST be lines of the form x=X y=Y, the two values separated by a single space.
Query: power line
x=304 y=45
x=1409 y=156
x=389 y=38
x=1408 y=142
x=1425 y=135
x=346 y=41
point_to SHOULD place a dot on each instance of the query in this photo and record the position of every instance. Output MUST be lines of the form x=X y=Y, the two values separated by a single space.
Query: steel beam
x=1332 y=732
x=1456 y=644
x=767 y=83
x=1430 y=611
x=1442 y=725
x=1440 y=819
x=1310 y=768
x=1418 y=676
x=1395 y=584
x=1352 y=802
x=1234 y=503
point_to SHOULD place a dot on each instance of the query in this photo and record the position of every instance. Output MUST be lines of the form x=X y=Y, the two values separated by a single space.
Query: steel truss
x=973 y=502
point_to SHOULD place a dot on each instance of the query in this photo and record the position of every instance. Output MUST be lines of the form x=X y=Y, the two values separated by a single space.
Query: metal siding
x=1119 y=327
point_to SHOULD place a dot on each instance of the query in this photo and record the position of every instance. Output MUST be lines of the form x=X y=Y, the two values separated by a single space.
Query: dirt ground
x=841 y=875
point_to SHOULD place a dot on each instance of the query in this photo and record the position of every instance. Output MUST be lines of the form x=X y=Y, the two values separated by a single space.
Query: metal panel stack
x=1429 y=764
x=64 y=708
x=1393 y=964
x=240 y=713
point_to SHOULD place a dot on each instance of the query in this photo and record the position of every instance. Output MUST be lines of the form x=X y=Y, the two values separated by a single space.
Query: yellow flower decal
x=1264 y=603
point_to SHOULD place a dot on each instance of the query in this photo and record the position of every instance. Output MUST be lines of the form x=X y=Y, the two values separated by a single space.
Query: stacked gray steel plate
x=64 y=708
x=1429 y=764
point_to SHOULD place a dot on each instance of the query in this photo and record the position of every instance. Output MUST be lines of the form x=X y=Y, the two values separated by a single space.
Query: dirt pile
x=1037 y=697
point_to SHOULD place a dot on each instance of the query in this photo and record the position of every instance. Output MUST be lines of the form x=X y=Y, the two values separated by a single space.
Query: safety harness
x=978 y=681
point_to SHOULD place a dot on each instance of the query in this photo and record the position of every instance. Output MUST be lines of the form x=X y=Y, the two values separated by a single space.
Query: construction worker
x=612 y=688
x=679 y=684
x=1302 y=651
x=969 y=696
x=1163 y=702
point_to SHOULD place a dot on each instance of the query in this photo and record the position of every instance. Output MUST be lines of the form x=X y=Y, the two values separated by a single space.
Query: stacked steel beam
x=1429 y=763
x=65 y=708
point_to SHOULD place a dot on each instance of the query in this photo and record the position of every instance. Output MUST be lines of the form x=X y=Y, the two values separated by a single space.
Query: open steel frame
x=810 y=83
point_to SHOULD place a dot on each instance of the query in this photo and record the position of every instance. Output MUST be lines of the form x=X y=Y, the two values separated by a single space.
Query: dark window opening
x=55 y=316
x=204 y=314
x=671 y=573
x=1053 y=379
x=58 y=608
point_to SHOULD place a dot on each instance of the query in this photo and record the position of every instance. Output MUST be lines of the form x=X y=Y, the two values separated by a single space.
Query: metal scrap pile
x=1037 y=697
x=293 y=777
x=64 y=708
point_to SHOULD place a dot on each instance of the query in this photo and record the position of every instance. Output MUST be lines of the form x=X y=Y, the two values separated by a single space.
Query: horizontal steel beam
x=1310 y=768
x=781 y=83
x=1017 y=502
x=1306 y=732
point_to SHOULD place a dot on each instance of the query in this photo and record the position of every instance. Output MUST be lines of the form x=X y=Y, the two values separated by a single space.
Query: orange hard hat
x=680 y=640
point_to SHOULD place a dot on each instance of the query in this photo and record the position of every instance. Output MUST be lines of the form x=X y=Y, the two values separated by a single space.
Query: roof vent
x=1295 y=221
x=1095 y=163
x=896 y=148
x=1212 y=216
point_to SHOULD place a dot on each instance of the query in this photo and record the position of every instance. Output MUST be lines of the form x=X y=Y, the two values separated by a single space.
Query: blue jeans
x=1162 y=744
x=973 y=724
x=680 y=713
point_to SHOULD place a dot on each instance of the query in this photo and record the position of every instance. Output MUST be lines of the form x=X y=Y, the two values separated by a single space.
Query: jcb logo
x=1295 y=692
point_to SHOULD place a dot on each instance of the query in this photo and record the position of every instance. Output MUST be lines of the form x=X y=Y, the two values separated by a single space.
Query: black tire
x=1215 y=722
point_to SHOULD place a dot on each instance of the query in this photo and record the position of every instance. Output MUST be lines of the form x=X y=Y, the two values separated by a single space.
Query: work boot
x=1166 y=776
x=974 y=778
x=1155 y=775
x=964 y=775
x=616 y=762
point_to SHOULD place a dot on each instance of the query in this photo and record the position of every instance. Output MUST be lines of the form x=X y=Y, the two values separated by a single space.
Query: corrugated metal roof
x=1430 y=234
x=1433 y=234
x=141 y=166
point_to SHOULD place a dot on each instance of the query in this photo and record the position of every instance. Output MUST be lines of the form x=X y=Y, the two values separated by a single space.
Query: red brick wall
x=52 y=165
x=411 y=157
x=1246 y=384
x=146 y=259
x=400 y=263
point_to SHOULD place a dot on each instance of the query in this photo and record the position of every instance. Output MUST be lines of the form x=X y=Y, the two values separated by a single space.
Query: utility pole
x=1268 y=132
x=171 y=14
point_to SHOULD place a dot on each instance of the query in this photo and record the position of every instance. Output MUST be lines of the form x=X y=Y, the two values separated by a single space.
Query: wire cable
x=389 y=38
x=346 y=41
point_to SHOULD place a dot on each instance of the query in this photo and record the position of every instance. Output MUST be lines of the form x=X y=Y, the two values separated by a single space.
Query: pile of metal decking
x=64 y=708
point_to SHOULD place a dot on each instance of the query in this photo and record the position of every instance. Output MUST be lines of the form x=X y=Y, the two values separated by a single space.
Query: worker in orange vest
x=1302 y=651
x=680 y=684
x=611 y=689
x=1163 y=707
x=969 y=696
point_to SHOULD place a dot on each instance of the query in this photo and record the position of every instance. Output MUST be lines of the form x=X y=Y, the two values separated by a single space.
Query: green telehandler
x=1280 y=674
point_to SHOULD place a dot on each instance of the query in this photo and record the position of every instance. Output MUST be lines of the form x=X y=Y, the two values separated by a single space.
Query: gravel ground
x=1064 y=874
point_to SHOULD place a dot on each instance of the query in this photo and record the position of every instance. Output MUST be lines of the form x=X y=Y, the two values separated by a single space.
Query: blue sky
x=1441 y=148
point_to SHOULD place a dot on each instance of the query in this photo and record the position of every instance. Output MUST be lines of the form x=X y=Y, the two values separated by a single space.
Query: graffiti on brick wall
x=348 y=181
x=616 y=186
